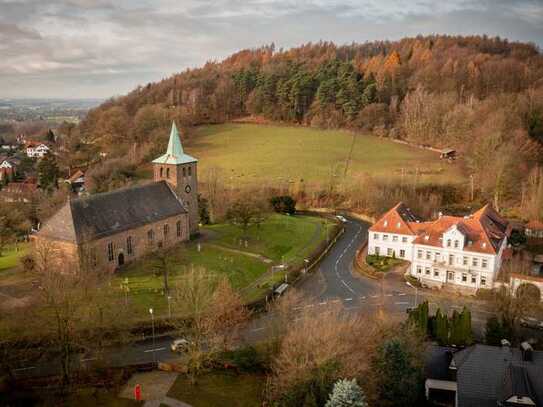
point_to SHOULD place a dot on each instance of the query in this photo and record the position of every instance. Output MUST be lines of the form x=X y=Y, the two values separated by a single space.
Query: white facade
x=38 y=151
x=448 y=251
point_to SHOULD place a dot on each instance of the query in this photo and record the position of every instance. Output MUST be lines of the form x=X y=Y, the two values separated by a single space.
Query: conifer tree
x=347 y=393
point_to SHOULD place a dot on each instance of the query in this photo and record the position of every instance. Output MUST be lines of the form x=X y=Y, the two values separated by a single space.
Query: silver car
x=180 y=345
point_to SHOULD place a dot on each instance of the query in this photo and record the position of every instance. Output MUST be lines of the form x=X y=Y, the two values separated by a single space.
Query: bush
x=283 y=204
x=28 y=262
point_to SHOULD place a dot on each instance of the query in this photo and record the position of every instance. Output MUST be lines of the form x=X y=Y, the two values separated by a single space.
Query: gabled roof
x=397 y=220
x=485 y=230
x=106 y=214
x=534 y=225
x=174 y=153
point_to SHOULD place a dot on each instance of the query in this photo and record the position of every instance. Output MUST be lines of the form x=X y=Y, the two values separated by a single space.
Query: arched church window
x=190 y=171
x=167 y=173
x=161 y=172
x=184 y=172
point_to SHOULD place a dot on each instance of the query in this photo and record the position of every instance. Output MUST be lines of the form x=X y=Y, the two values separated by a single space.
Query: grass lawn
x=220 y=389
x=280 y=238
x=250 y=153
x=10 y=257
x=381 y=263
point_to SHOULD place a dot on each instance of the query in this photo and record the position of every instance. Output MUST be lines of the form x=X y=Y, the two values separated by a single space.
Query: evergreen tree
x=495 y=332
x=347 y=393
x=441 y=332
x=399 y=378
x=465 y=324
x=48 y=172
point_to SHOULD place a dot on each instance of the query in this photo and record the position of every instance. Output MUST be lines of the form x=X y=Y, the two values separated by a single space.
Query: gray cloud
x=80 y=48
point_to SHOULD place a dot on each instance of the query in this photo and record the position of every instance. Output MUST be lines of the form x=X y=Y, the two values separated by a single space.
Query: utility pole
x=472 y=187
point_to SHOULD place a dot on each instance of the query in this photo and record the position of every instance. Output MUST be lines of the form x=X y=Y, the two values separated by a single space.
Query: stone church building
x=105 y=231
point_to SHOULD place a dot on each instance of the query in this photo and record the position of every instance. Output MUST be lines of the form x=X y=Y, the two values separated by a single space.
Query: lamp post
x=153 y=331
x=416 y=292
x=169 y=307
x=306 y=265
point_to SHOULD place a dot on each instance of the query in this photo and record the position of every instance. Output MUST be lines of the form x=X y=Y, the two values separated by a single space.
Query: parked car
x=342 y=218
x=531 y=323
x=180 y=345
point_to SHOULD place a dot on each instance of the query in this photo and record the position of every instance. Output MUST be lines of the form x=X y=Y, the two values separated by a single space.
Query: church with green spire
x=105 y=231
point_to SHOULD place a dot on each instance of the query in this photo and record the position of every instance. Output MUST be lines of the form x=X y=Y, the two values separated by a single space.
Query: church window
x=167 y=173
x=166 y=230
x=129 y=248
x=161 y=172
x=184 y=172
x=190 y=171
x=150 y=236
x=178 y=225
x=110 y=255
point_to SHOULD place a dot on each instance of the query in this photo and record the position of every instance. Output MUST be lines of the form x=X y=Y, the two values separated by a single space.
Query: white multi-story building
x=462 y=251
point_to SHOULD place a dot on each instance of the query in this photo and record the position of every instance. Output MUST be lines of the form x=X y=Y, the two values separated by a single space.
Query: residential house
x=462 y=252
x=485 y=376
x=8 y=168
x=36 y=149
x=77 y=181
x=534 y=229
x=19 y=191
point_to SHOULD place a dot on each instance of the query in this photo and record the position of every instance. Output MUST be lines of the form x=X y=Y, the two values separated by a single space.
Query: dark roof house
x=488 y=376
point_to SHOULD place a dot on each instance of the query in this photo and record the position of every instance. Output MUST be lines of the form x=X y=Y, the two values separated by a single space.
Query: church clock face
x=187 y=189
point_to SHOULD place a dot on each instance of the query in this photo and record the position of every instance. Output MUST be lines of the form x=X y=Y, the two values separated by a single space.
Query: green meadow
x=250 y=153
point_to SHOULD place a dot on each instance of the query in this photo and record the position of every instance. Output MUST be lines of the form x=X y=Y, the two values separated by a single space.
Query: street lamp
x=169 y=307
x=153 y=330
x=306 y=265
x=416 y=292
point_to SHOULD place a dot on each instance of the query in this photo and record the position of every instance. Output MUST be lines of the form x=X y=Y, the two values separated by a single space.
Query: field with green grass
x=10 y=256
x=279 y=239
x=250 y=153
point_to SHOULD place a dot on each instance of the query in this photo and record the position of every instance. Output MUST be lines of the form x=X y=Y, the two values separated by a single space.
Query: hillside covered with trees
x=482 y=96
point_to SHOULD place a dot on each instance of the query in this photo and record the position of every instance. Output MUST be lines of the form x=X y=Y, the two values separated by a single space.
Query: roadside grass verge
x=220 y=388
x=10 y=256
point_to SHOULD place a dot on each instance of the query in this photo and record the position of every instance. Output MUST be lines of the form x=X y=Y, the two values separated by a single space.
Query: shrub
x=283 y=204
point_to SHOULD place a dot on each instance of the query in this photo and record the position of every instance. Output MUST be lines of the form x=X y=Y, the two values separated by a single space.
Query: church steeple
x=179 y=170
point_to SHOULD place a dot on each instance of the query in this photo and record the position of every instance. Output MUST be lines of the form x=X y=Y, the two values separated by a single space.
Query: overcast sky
x=102 y=48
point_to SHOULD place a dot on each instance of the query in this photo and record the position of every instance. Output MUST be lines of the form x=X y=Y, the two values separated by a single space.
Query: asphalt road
x=332 y=281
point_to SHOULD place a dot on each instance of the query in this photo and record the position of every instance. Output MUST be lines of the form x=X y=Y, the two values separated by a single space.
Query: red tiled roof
x=397 y=220
x=534 y=225
x=484 y=230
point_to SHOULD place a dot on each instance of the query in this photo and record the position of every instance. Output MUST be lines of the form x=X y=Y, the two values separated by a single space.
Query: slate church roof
x=109 y=213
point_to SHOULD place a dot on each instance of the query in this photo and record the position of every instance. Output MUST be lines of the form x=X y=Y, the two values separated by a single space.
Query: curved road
x=332 y=281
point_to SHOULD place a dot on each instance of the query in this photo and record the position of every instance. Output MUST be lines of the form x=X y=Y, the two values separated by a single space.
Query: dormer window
x=456 y=244
x=385 y=223
x=398 y=225
x=483 y=245
x=427 y=237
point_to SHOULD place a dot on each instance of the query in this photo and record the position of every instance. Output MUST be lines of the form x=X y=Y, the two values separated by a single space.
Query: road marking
x=348 y=299
x=347 y=285
x=401 y=303
x=353 y=307
x=260 y=329
x=87 y=359
x=309 y=305
x=153 y=350
x=24 y=368
x=322 y=303
x=374 y=296
x=400 y=294
x=389 y=295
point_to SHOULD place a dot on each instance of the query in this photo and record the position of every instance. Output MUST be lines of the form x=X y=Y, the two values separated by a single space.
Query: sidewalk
x=154 y=388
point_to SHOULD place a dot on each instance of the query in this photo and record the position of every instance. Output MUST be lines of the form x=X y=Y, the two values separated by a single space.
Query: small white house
x=465 y=252
x=36 y=150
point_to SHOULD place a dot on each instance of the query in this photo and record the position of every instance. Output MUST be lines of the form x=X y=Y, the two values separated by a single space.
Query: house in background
x=19 y=191
x=485 y=376
x=461 y=252
x=76 y=181
x=534 y=229
x=36 y=149
x=8 y=168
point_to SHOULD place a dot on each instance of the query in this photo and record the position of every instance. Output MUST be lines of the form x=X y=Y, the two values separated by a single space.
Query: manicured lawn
x=10 y=256
x=220 y=389
x=145 y=287
x=282 y=238
x=249 y=153
x=381 y=263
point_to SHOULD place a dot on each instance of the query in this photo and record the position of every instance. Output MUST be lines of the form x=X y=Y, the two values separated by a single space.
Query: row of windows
x=186 y=171
x=395 y=238
x=456 y=243
x=464 y=260
x=450 y=275
x=150 y=238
